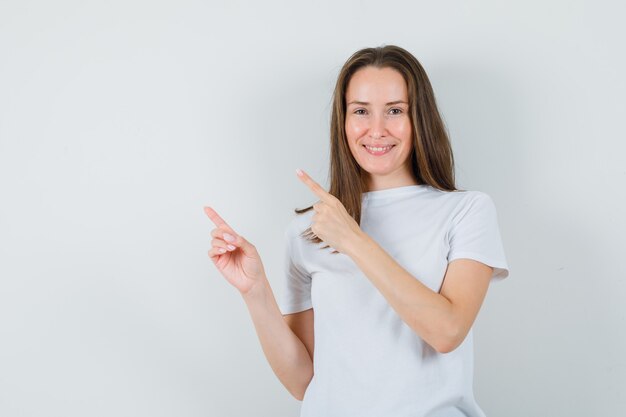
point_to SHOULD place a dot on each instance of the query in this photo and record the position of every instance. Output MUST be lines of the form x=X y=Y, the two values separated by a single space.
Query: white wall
x=119 y=120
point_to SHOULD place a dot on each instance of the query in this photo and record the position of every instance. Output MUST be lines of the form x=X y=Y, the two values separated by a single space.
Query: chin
x=377 y=170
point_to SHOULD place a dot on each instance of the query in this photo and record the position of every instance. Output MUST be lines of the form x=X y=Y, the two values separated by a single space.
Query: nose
x=377 y=126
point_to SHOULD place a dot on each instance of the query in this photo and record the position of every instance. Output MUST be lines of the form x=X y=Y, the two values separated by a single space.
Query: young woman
x=394 y=262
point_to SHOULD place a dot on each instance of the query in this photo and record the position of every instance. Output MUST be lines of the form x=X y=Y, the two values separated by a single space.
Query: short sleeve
x=296 y=294
x=475 y=234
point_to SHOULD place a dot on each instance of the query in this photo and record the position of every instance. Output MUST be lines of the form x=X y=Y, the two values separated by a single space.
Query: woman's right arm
x=284 y=346
x=287 y=354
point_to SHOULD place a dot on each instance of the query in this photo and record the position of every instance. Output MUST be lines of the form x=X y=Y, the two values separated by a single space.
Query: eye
x=359 y=110
x=398 y=111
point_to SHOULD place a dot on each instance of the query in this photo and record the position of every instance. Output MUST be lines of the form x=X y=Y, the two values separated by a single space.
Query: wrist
x=256 y=291
x=356 y=244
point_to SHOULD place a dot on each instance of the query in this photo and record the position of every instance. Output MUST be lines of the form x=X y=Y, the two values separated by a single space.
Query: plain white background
x=119 y=120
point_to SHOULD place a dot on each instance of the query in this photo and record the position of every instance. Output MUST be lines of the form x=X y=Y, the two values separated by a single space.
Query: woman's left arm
x=441 y=319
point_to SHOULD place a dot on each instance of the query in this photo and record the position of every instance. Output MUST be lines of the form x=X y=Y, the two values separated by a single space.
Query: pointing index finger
x=215 y=218
x=314 y=186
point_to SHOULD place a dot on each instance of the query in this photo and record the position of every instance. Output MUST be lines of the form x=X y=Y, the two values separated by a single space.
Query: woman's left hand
x=331 y=222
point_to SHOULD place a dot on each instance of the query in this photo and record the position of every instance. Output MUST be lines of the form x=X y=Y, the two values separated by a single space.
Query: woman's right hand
x=241 y=265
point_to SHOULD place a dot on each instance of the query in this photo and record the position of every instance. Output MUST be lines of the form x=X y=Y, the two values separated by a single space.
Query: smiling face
x=377 y=116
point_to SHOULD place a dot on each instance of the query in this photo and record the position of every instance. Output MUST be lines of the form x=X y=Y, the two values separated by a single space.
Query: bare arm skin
x=281 y=340
x=239 y=262
x=302 y=325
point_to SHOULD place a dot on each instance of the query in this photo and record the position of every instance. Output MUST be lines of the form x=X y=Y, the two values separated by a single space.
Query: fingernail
x=229 y=238
x=299 y=171
x=231 y=247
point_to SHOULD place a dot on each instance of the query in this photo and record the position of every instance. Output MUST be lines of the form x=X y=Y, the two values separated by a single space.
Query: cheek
x=354 y=129
x=402 y=130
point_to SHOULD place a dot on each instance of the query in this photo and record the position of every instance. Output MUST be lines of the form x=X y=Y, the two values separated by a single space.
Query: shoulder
x=461 y=199
x=466 y=204
x=473 y=209
x=478 y=198
x=298 y=224
x=468 y=197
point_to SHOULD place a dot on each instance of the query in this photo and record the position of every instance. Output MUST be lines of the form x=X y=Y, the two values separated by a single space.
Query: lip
x=378 y=153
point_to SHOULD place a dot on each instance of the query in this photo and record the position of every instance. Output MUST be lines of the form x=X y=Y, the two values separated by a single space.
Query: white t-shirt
x=367 y=360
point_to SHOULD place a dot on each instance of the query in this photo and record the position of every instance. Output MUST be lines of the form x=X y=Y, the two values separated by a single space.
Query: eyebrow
x=365 y=103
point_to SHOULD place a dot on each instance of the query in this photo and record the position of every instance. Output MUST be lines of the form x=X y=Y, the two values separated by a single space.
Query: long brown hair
x=432 y=161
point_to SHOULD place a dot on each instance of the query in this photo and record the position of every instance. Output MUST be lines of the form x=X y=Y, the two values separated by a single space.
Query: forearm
x=428 y=313
x=285 y=352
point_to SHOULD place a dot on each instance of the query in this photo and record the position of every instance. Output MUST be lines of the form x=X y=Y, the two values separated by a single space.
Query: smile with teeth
x=378 y=151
